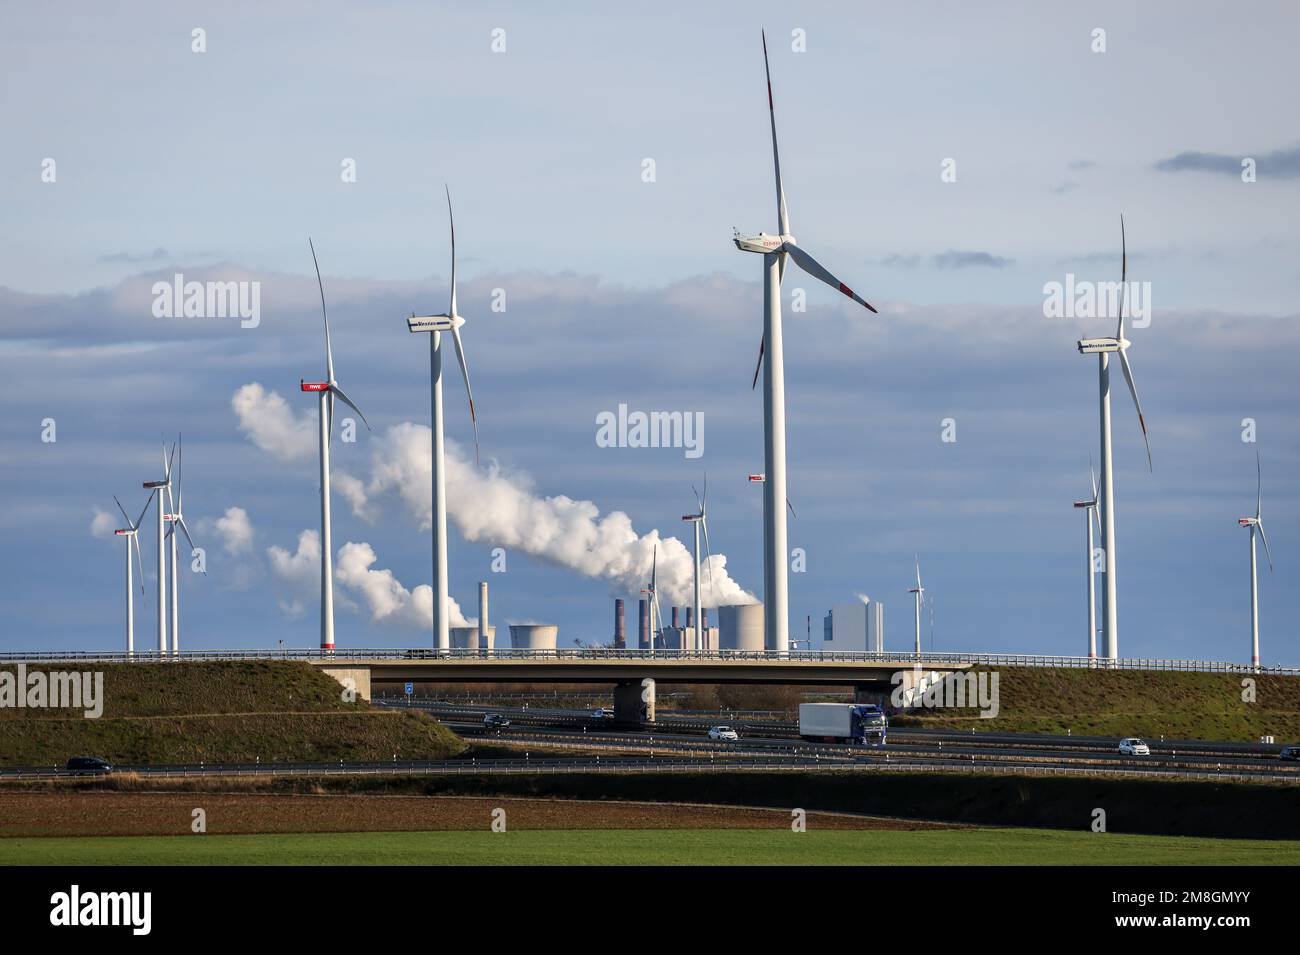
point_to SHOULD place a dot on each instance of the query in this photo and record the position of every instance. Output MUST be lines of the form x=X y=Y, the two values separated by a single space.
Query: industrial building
x=467 y=638
x=533 y=636
x=741 y=627
x=855 y=627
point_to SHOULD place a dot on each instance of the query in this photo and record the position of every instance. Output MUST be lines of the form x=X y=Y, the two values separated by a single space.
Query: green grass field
x=655 y=847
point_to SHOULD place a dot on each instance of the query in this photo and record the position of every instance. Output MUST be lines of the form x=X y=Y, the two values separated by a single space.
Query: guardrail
x=609 y=654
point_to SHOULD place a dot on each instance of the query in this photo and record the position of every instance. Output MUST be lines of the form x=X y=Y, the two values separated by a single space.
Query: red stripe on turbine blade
x=846 y=290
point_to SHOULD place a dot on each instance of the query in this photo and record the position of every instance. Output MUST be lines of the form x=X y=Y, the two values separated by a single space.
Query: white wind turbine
x=653 y=591
x=775 y=249
x=698 y=522
x=919 y=593
x=1256 y=523
x=1090 y=519
x=1103 y=348
x=435 y=325
x=177 y=519
x=132 y=534
x=326 y=391
x=157 y=487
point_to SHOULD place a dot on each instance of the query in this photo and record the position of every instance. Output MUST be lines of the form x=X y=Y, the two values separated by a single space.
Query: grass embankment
x=657 y=847
x=1148 y=703
x=219 y=712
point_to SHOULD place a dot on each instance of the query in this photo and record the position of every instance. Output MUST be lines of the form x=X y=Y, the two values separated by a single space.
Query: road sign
x=410 y=688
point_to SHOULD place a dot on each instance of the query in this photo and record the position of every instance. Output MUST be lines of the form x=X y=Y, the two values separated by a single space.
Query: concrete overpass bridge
x=634 y=673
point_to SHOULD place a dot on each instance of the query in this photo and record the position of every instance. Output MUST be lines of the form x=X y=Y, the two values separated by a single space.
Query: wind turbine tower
x=775 y=249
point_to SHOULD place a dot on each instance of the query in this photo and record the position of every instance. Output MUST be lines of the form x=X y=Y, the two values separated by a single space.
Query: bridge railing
x=610 y=654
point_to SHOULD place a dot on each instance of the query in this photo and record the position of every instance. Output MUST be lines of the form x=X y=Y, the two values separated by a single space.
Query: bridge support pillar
x=352 y=678
x=634 y=701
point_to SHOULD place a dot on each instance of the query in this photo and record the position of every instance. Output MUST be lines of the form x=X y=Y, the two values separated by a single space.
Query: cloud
x=103 y=524
x=297 y=573
x=953 y=259
x=1278 y=164
x=388 y=600
x=272 y=425
x=130 y=258
x=235 y=531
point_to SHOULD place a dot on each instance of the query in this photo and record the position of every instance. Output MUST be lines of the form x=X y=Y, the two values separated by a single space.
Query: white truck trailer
x=862 y=723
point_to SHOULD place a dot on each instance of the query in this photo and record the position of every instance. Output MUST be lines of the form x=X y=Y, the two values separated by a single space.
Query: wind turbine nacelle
x=153 y=485
x=123 y=533
x=169 y=517
x=1095 y=346
x=434 y=323
x=758 y=478
x=1085 y=503
x=1245 y=521
x=761 y=243
x=314 y=385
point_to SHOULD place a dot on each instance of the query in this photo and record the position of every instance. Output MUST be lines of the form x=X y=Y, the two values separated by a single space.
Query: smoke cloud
x=486 y=505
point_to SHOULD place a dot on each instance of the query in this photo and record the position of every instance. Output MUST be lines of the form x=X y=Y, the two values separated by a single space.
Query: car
x=723 y=733
x=495 y=721
x=1132 y=746
x=89 y=766
x=605 y=713
x=1289 y=752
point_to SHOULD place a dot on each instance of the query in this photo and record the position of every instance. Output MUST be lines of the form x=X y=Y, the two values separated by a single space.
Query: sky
x=947 y=162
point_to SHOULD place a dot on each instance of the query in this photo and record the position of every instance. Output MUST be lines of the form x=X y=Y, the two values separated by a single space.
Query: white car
x=1132 y=746
x=720 y=733
x=602 y=714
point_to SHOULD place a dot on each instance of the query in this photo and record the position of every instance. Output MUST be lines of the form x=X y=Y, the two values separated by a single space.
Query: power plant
x=854 y=627
x=533 y=636
x=741 y=627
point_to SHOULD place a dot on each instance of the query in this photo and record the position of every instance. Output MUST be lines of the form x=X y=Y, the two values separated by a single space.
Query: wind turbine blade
x=144 y=510
x=170 y=461
x=139 y=561
x=783 y=219
x=1123 y=277
x=329 y=418
x=791 y=506
x=1259 y=485
x=918 y=574
x=464 y=370
x=817 y=271
x=186 y=530
x=452 y=221
x=1096 y=496
x=329 y=352
x=1132 y=387
x=762 y=344
x=123 y=510
x=180 y=475
x=1267 y=554
x=704 y=504
x=336 y=390
x=699 y=506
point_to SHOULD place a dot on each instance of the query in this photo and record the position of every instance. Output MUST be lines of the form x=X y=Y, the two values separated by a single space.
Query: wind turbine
x=435 y=325
x=132 y=534
x=700 y=522
x=1103 y=348
x=177 y=519
x=326 y=390
x=919 y=593
x=157 y=487
x=1256 y=523
x=775 y=249
x=1090 y=519
x=653 y=592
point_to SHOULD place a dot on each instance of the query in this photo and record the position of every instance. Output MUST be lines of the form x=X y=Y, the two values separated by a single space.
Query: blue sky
x=219 y=164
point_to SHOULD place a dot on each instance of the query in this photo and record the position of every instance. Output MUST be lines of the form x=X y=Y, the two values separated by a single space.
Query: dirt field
x=136 y=814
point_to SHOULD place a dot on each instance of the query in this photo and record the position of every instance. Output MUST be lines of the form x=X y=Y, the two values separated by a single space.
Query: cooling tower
x=533 y=636
x=741 y=627
x=466 y=638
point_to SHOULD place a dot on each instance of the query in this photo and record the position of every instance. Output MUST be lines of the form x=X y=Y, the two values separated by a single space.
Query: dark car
x=495 y=721
x=89 y=766
x=1289 y=752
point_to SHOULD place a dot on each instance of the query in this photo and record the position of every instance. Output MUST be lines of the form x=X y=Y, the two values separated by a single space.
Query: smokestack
x=620 y=634
x=643 y=626
x=704 y=618
x=484 y=640
x=676 y=618
x=690 y=616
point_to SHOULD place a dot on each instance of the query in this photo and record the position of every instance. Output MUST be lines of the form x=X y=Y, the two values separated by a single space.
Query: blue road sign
x=410 y=688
